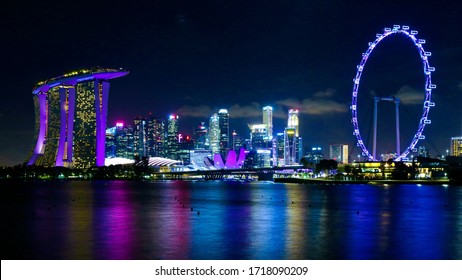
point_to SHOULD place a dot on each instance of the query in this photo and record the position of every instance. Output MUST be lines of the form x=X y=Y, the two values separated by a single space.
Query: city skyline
x=194 y=59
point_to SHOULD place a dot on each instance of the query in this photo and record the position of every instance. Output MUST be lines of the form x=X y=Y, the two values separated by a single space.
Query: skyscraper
x=290 y=148
x=214 y=134
x=155 y=136
x=110 y=142
x=172 y=146
x=200 y=135
x=223 y=117
x=237 y=141
x=456 y=146
x=279 y=148
x=268 y=121
x=121 y=141
x=70 y=113
x=297 y=149
x=139 y=135
x=293 y=121
x=339 y=153
x=258 y=137
x=314 y=156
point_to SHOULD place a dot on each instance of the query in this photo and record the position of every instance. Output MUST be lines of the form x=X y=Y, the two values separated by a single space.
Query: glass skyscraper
x=339 y=153
x=268 y=120
x=139 y=135
x=214 y=134
x=172 y=146
x=290 y=146
x=200 y=135
x=223 y=117
x=155 y=136
x=293 y=121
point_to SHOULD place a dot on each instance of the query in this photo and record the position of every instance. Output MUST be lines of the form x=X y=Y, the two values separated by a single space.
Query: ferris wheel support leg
x=374 y=144
x=398 y=150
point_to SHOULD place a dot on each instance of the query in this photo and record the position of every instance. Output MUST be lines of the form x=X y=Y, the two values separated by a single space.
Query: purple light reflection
x=114 y=223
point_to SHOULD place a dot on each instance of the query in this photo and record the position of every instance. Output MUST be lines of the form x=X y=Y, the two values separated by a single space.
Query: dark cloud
x=410 y=96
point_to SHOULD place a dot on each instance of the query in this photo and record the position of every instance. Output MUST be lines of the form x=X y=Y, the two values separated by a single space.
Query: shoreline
x=368 y=182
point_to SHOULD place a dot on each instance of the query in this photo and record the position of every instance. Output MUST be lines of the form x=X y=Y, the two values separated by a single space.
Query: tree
x=326 y=165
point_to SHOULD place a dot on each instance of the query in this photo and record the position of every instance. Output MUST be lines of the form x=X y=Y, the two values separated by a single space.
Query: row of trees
x=131 y=172
x=397 y=170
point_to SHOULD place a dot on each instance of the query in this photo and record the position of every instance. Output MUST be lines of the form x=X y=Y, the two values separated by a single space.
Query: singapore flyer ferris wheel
x=427 y=104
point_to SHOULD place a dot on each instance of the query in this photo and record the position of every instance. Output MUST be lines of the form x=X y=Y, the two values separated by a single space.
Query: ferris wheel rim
x=404 y=30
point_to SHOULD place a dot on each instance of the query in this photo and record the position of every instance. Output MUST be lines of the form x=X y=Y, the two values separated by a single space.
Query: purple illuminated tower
x=70 y=114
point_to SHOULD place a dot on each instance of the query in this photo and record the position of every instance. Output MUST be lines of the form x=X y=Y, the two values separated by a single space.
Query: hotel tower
x=70 y=118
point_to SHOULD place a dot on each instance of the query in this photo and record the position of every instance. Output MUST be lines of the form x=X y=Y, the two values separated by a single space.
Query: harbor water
x=131 y=220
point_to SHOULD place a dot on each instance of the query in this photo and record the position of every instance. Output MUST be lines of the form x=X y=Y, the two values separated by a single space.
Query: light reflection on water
x=229 y=220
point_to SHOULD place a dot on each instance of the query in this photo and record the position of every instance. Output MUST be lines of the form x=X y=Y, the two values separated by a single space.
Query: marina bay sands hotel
x=70 y=118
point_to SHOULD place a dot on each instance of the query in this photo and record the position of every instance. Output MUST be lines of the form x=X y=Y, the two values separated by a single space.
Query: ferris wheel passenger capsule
x=429 y=104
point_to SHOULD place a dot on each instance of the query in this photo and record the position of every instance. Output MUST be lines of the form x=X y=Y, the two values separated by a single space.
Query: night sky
x=194 y=57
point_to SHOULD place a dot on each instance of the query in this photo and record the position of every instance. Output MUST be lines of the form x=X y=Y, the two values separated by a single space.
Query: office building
x=339 y=153
x=290 y=146
x=139 y=136
x=279 y=148
x=314 y=156
x=155 y=136
x=456 y=146
x=214 y=134
x=268 y=121
x=200 y=136
x=238 y=142
x=223 y=117
x=110 y=142
x=258 y=136
x=172 y=141
x=293 y=121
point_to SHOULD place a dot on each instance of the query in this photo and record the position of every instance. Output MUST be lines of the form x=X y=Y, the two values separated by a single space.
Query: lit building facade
x=139 y=135
x=258 y=136
x=279 y=148
x=456 y=146
x=314 y=156
x=263 y=158
x=293 y=121
x=268 y=120
x=71 y=113
x=339 y=153
x=214 y=134
x=200 y=136
x=238 y=143
x=155 y=136
x=110 y=142
x=172 y=143
x=290 y=146
x=223 y=117
x=121 y=141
